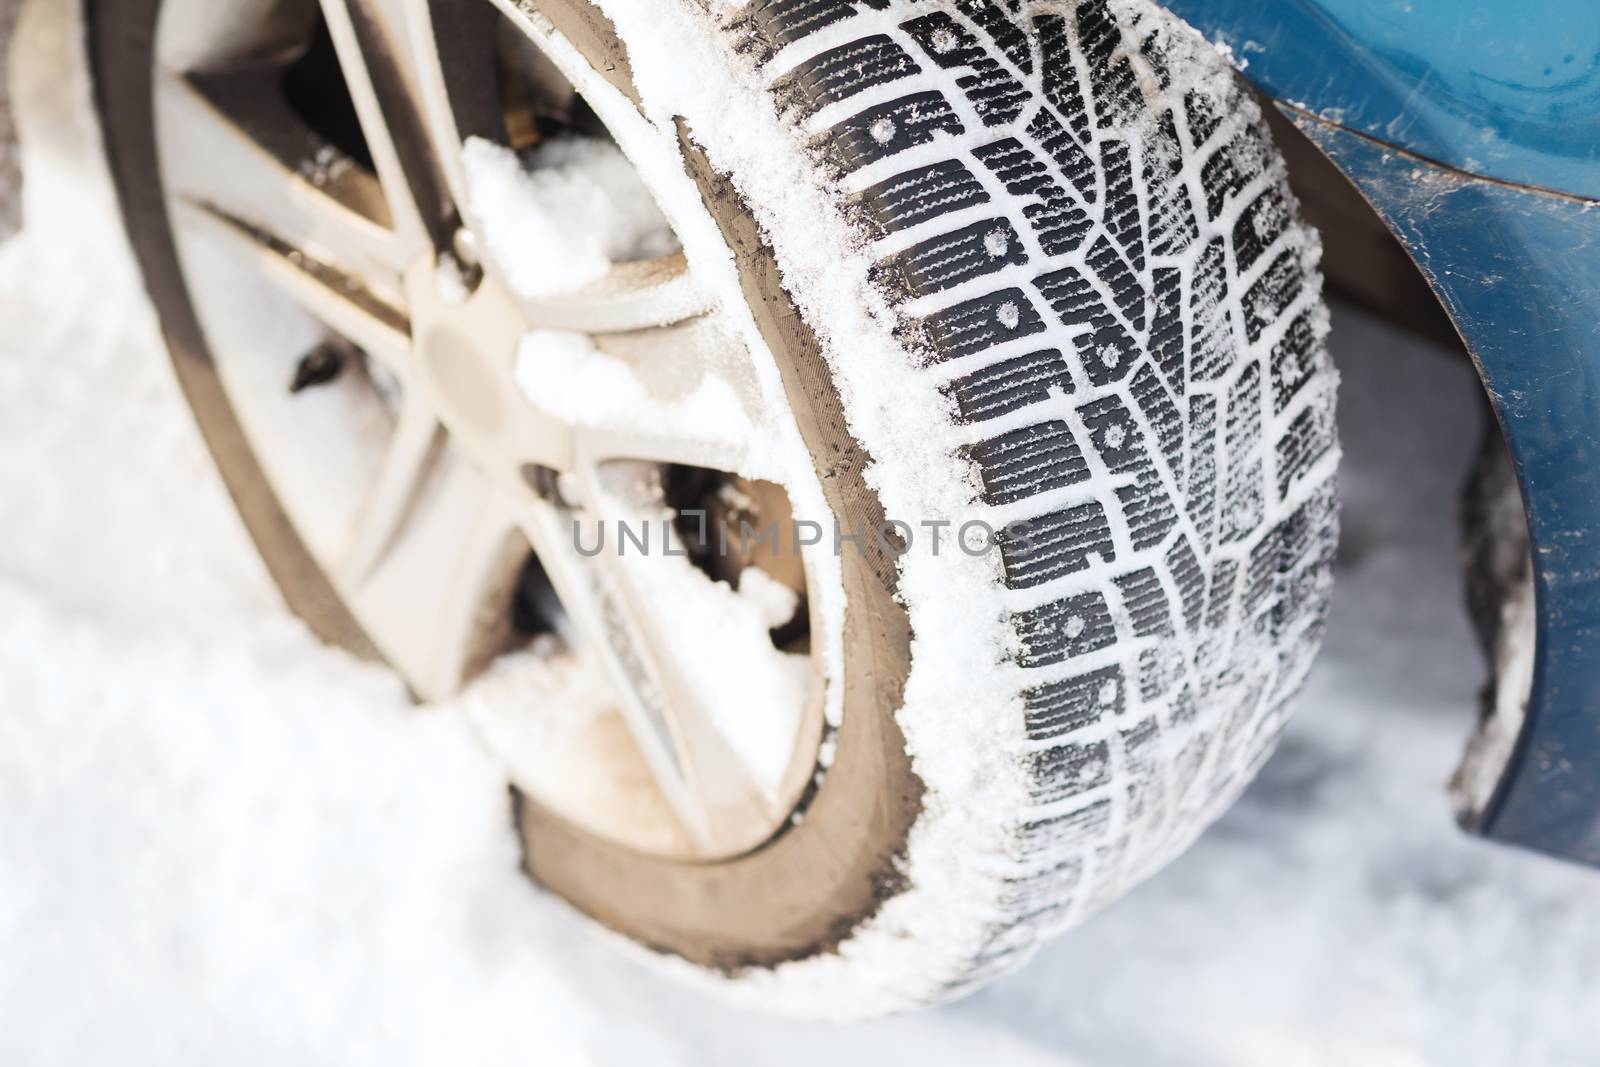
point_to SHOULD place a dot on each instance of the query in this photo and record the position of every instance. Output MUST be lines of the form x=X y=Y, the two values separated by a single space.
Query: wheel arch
x=1462 y=145
x=1517 y=269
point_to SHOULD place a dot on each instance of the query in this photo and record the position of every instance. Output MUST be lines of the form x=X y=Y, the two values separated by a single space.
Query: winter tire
x=1030 y=268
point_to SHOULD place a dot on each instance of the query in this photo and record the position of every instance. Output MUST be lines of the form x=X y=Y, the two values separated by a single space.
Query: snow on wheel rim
x=449 y=351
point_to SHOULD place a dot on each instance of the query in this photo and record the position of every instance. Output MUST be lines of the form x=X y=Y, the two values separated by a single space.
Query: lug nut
x=465 y=246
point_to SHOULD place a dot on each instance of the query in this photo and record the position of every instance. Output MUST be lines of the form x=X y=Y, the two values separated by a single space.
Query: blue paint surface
x=1506 y=89
x=1519 y=272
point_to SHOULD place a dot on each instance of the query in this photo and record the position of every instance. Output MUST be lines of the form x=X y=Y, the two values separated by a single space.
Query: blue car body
x=1473 y=128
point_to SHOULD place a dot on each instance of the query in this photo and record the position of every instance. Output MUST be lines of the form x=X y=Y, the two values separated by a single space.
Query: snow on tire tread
x=1100 y=268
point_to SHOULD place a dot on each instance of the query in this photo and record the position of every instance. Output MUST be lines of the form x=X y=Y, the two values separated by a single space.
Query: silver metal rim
x=422 y=475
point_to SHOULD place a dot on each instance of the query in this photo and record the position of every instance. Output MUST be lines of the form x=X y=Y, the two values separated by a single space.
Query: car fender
x=1473 y=130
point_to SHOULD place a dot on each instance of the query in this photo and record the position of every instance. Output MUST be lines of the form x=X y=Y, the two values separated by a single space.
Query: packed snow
x=564 y=214
x=564 y=374
x=225 y=843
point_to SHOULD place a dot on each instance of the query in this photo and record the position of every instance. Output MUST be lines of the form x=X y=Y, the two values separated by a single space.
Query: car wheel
x=1007 y=306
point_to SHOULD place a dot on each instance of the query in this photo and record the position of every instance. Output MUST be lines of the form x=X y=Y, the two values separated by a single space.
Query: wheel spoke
x=685 y=394
x=339 y=300
x=412 y=452
x=686 y=449
x=236 y=150
x=437 y=602
x=634 y=296
x=376 y=50
x=717 y=799
x=466 y=100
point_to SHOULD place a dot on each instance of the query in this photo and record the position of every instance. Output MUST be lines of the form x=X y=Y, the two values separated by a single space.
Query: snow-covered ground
x=221 y=843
